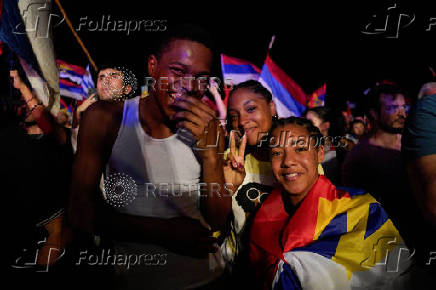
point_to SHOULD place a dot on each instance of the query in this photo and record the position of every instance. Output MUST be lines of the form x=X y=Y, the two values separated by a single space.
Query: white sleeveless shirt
x=156 y=178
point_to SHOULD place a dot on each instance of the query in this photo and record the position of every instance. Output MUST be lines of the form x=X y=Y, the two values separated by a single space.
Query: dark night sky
x=314 y=43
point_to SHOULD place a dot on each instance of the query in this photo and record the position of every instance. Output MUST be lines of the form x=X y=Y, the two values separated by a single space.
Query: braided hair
x=254 y=86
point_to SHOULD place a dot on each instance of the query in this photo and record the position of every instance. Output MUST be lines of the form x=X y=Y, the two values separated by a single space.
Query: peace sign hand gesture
x=234 y=170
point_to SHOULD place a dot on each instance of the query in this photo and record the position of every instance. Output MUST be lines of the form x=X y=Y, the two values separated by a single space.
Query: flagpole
x=70 y=25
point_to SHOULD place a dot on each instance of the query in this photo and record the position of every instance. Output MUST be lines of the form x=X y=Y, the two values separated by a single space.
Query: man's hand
x=234 y=170
x=18 y=83
x=187 y=236
x=201 y=121
x=195 y=115
x=222 y=111
x=86 y=103
x=82 y=108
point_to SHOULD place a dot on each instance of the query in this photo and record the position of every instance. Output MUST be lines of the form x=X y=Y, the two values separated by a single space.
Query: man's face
x=183 y=69
x=393 y=110
x=358 y=129
x=110 y=84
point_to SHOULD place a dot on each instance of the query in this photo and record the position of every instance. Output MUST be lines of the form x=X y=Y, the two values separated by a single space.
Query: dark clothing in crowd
x=419 y=140
x=420 y=134
x=381 y=172
x=36 y=172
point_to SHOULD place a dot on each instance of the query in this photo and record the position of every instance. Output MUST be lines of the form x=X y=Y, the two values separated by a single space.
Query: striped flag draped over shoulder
x=336 y=239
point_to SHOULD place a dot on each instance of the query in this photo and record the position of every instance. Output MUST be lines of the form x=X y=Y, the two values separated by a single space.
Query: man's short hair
x=129 y=78
x=183 y=32
x=383 y=87
x=357 y=121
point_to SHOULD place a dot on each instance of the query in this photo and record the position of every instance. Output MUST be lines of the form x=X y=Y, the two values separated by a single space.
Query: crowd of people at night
x=177 y=189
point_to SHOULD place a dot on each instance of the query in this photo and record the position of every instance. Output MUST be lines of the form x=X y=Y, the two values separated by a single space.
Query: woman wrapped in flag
x=308 y=234
x=250 y=112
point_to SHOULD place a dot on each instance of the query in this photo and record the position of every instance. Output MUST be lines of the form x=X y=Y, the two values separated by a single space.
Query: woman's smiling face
x=295 y=160
x=251 y=113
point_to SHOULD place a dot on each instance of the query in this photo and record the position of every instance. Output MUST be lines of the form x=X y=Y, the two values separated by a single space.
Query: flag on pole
x=87 y=82
x=317 y=98
x=75 y=81
x=38 y=21
x=24 y=28
x=38 y=84
x=13 y=34
x=289 y=98
x=237 y=70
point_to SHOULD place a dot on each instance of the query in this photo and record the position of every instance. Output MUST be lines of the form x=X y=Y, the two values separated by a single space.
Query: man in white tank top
x=164 y=185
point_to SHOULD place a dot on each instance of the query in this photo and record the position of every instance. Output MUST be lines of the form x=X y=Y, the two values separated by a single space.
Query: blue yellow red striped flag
x=336 y=239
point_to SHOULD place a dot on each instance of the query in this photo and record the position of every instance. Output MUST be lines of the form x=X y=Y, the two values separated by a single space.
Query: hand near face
x=193 y=115
x=234 y=170
x=88 y=102
x=213 y=89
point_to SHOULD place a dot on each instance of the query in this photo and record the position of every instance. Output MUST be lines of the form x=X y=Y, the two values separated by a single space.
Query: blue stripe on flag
x=72 y=89
x=377 y=217
x=327 y=242
x=287 y=280
x=13 y=33
x=239 y=69
x=352 y=191
x=281 y=93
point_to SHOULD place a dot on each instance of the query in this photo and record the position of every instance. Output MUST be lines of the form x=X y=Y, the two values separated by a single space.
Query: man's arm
x=42 y=116
x=94 y=145
x=201 y=121
x=97 y=134
x=217 y=202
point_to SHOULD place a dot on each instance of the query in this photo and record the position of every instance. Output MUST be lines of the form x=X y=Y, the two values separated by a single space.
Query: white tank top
x=156 y=178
